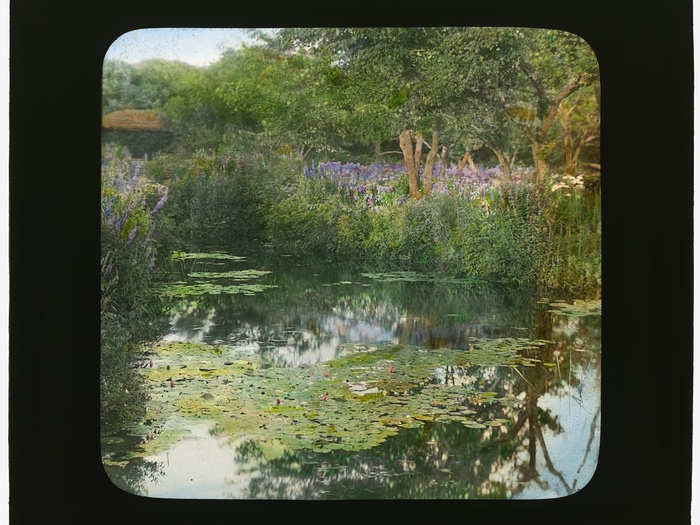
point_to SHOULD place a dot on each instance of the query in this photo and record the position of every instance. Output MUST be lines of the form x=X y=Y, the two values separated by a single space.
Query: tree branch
x=574 y=84
x=547 y=459
x=590 y=440
x=530 y=74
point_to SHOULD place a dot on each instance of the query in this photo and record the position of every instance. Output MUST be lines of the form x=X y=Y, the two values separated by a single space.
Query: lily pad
x=237 y=275
x=414 y=277
x=181 y=256
x=180 y=289
x=472 y=424
x=579 y=308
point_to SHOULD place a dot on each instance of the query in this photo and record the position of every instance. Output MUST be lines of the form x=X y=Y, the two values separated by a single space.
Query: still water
x=544 y=443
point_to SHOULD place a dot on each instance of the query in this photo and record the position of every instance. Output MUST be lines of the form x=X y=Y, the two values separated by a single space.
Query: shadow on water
x=544 y=445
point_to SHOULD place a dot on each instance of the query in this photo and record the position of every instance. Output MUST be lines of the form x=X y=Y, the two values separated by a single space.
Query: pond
x=279 y=380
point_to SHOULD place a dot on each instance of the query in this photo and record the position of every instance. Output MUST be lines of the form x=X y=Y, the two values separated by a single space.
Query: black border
x=645 y=56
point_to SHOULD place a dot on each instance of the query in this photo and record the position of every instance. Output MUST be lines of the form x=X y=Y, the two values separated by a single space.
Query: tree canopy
x=511 y=95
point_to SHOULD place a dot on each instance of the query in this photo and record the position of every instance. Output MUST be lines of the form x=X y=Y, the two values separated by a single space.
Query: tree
x=424 y=77
x=580 y=123
x=146 y=85
x=117 y=88
x=285 y=100
x=555 y=65
x=381 y=67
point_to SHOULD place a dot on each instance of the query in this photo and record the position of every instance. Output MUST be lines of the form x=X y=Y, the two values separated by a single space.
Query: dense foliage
x=128 y=267
x=513 y=233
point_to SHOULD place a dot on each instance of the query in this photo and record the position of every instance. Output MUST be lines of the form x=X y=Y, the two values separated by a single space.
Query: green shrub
x=128 y=310
x=215 y=200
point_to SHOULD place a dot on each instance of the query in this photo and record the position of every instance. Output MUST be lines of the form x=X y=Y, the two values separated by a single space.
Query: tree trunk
x=539 y=163
x=303 y=154
x=565 y=121
x=467 y=159
x=573 y=163
x=443 y=163
x=406 y=145
x=569 y=163
x=547 y=110
x=429 y=163
x=502 y=161
x=377 y=151
x=513 y=156
x=418 y=153
x=585 y=139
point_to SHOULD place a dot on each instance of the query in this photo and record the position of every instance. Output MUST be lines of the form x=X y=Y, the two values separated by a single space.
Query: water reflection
x=549 y=450
x=304 y=322
x=544 y=444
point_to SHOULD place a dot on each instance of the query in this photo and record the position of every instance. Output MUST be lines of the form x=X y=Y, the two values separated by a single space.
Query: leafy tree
x=554 y=66
x=421 y=78
x=579 y=119
x=117 y=88
x=147 y=85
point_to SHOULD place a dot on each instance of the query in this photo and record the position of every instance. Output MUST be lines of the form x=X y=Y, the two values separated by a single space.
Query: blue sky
x=199 y=47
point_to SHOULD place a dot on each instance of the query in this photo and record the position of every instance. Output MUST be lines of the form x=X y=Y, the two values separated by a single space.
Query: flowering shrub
x=125 y=196
x=382 y=184
x=565 y=184
x=474 y=223
x=129 y=205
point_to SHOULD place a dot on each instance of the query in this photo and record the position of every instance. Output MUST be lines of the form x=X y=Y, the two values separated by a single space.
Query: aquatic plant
x=354 y=402
x=577 y=308
x=184 y=289
x=183 y=256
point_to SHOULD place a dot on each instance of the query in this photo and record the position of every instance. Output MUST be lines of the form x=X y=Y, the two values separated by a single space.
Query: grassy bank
x=516 y=234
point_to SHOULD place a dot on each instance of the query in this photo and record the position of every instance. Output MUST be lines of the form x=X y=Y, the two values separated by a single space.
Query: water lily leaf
x=271 y=449
x=414 y=277
x=184 y=290
x=579 y=308
x=112 y=463
x=472 y=424
x=237 y=275
x=181 y=256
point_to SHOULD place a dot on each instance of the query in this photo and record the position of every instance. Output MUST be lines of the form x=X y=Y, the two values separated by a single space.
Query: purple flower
x=108 y=209
x=119 y=222
x=132 y=235
x=161 y=202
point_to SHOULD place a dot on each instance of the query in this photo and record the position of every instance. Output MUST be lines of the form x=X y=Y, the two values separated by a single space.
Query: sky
x=199 y=47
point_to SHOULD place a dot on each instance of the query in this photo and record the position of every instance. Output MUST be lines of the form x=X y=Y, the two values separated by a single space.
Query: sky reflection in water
x=550 y=451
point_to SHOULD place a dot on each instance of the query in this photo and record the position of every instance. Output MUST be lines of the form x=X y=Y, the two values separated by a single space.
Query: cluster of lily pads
x=183 y=256
x=235 y=279
x=354 y=402
x=578 y=308
x=414 y=277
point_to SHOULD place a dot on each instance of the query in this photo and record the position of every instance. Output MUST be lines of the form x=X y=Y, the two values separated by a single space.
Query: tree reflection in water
x=135 y=476
x=450 y=461
x=546 y=446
